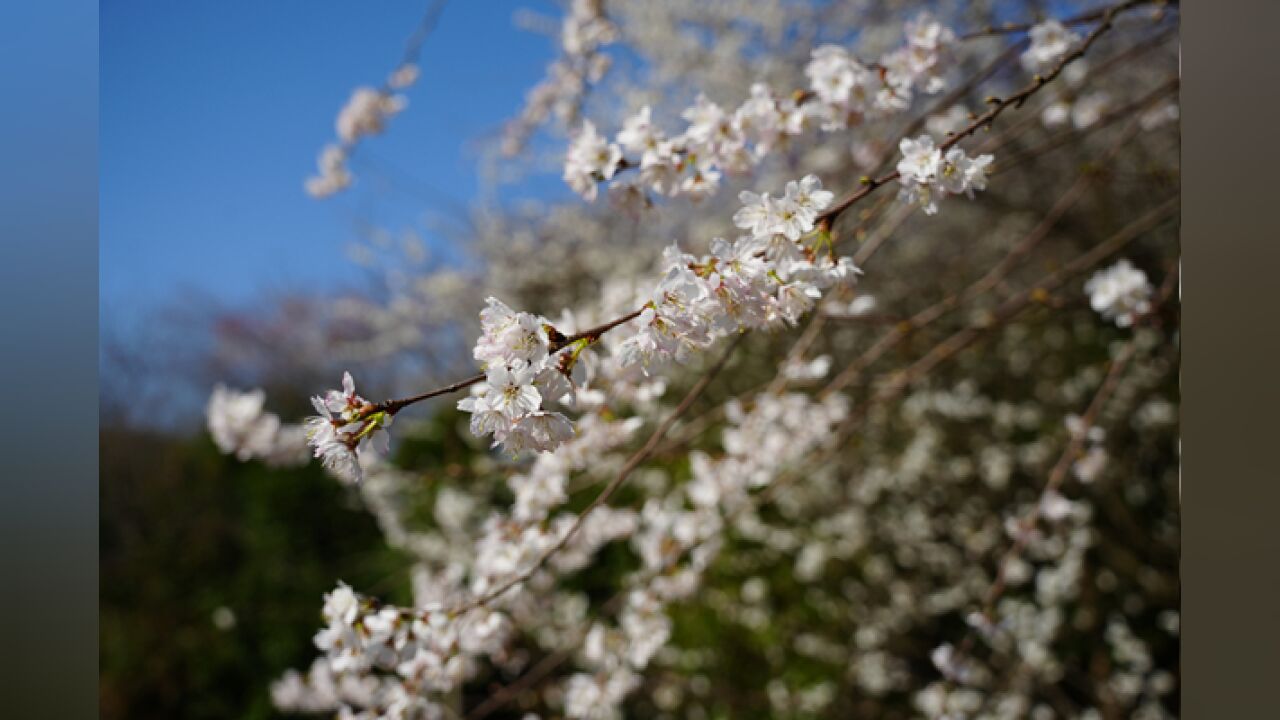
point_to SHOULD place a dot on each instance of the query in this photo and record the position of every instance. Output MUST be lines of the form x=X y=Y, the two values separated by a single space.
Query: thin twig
x=986 y=283
x=1037 y=293
x=1008 y=28
x=558 y=343
x=998 y=106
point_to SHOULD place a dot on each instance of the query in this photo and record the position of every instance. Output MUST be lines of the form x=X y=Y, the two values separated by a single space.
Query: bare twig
x=998 y=106
x=986 y=283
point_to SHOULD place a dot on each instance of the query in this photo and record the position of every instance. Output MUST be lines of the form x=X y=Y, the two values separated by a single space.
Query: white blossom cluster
x=584 y=32
x=522 y=378
x=393 y=663
x=239 y=425
x=926 y=174
x=1120 y=293
x=419 y=651
x=1050 y=568
x=763 y=279
x=321 y=689
x=366 y=113
x=842 y=92
x=345 y=423
x=511 y=545
x=679 y=536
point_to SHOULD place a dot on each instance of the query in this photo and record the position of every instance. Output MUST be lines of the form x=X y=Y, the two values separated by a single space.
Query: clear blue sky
x=212 y=114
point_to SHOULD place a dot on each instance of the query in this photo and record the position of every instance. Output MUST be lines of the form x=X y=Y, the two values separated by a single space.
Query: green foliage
x=185 y=531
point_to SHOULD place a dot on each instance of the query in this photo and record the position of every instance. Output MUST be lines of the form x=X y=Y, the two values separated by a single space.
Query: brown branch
x=998 y=106
x=558 y=343
x=391 y=407
x=1063 y=138
x=1009 y=27
x=987 y=282
x=950 y=99
x=1035 y=294
x=1123 y=58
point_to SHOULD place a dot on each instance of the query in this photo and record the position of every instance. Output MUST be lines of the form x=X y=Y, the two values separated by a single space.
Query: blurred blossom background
x=230 y=258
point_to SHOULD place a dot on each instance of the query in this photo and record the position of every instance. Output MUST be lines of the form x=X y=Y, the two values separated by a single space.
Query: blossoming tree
x=840 y=399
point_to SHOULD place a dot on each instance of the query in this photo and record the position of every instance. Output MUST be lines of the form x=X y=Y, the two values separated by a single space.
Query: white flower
x=707 y=120
x=809 y=196
x=920 y=160
x=795 y=299
x=961 y=174
x=1088 y=110
x=832 y=73
x=366 y=113
x=660 y=168
x=1090 y=466
x=791 y=220
x=1056 y=114
x=925 y=33
x=485 y=419
x=341 y=605
x=1120 y=293
x=508 y=336
x=542 y=431
x=701 y=184
x=926 y=175
x=239 y=425
x=757 y=213
x=511 y=390
x=638 y=134
x=345 y=422
x=947 y=661
x=1049 y=41
x=403 y=76
x=590 y=160
x=333 y=176
x=645 y=623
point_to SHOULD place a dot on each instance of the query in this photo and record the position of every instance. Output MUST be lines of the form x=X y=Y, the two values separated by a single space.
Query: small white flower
x=757 y=213
x=832 y=73
x=1050 y=40
x=341 y=605
x=345 y=422
x=590 y=160
x=1089 y=109
x=920 y=160
x=366 y=113
x=638 y=134
x=239 y=425
x=1120 y=293
x=511 y=391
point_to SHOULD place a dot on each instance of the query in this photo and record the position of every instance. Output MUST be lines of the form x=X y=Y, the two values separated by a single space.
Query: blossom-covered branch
x=368 y=111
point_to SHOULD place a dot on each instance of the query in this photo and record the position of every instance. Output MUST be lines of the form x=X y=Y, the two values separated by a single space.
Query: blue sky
x=212 y=113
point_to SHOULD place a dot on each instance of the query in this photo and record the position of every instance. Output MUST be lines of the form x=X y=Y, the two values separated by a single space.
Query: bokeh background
x=215 y=266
